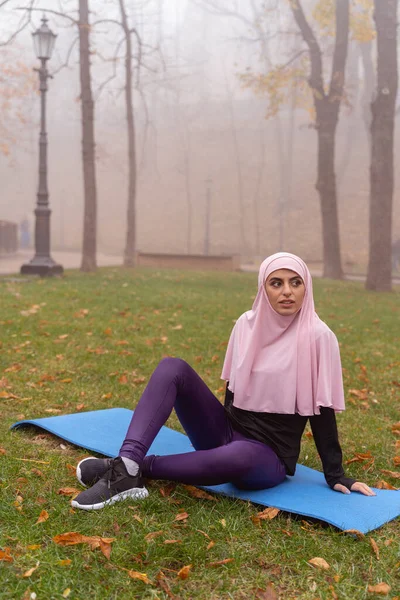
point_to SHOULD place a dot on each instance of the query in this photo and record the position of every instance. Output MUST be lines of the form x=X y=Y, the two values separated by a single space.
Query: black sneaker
x=91 y=469
x=116 y=484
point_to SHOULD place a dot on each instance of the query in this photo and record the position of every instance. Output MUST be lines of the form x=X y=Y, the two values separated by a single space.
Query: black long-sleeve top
x=282 y=432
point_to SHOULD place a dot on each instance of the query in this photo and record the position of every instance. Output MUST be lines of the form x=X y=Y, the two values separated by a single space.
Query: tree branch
x=22 y=23
x=340 y=51
x=316 y=78
x=50 y=11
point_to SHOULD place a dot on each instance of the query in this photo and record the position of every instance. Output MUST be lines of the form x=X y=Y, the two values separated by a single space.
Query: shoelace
x=112 y=474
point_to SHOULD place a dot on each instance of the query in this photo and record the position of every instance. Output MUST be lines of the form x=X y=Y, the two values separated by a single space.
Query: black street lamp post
x=42 y=264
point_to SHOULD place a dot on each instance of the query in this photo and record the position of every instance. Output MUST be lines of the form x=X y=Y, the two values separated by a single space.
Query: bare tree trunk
x=369 y=85
x=327 y=107
x=130 y=245
x=379 y=275
x=88 y=143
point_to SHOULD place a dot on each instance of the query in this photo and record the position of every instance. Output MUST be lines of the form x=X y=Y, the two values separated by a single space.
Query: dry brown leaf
x=8 y=395
x=394 y=474
x=384 y=485
x=108 y=331
x=68 y=491
x=182 y=516
x=268 y=513
x=210 y=545
x=196 y=493
x=256 y=520
x=34 y=546
x=66 y=380
x=44 y=515
x=380 y=588
x=396 y=461
x=2 y=451
x=37 y=472
x=359 y=457
x=123 y=379
x=72 y=538
x=268 y=594
x=355 y=532
x=106 y=396
x=223 y=522
x=29 y=572
x=360 y=394
x=141 y=576
x=388 y=542
x=79 y=407
x=217 y=563
x=319 y=562
x=184 y=572
x=172 y=541
x=395 y=427
x=374 y=546
x=152 y=535
x=166 y=490
x=5 y=555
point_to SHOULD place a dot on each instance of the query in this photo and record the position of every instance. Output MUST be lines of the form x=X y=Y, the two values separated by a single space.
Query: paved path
x=10 y=265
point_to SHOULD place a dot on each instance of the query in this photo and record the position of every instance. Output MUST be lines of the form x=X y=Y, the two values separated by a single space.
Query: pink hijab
x=283 y=364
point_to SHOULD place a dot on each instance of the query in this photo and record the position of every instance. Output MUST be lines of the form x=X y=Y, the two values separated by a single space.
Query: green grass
x=93 y=340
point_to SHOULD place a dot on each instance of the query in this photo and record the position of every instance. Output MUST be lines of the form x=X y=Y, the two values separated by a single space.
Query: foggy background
x=206 y=152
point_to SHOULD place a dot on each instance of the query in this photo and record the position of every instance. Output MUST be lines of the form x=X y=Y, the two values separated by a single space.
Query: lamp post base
x=43 y=266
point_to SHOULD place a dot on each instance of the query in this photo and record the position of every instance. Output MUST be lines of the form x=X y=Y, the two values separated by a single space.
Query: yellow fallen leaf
x=319 y=562
x=29 y=572
x=34 y=546
x=66 y=592
x=66 y=380
x=223 y=522
x=184 y=572
x=380 y=588
x=384 y=485
x=44 y=515
x=65 y=562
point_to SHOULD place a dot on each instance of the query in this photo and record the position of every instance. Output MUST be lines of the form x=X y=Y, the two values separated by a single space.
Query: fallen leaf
x=268 y=513
x=177 y=327
x=388 y=542
x=355 y=532
x=374 y=546
x=141 y=576
x=184 y=572
x=384 y=485
x=123 y=380
x=44 y=515
x=66 y=380
x=68 y=491
x=396 y=461
x=63 y=336
x=65 y=562
x=217 y=563
x=196 y=493
x=108 y=331
x=210 y=545
x=37 y=472
x=152 y=535
x=72 y=538
x=395 y=427
x=380 y=588
x=34 y=546
x=66 y=592
x=29 y=572
x=2 y=451
x=361 y=394
x=267 y=594
x=8 y=395
x=394 y=474
x=106 y=396
x=172 y=541
x=319 y=562
x=79 y=407
x=223 y=522
x=359 y=457
x=5 y=555
x=182 y=516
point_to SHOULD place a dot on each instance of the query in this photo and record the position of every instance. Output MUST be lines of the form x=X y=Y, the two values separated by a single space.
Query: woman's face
x=285 y=290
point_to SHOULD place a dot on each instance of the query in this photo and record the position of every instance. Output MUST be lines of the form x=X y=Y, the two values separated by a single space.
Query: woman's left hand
x=362 y=488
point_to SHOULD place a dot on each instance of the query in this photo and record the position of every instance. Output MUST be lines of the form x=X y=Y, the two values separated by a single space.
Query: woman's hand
x=356 y=487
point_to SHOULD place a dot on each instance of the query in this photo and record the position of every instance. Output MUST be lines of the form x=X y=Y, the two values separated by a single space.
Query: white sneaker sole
x=79 y=472
x=134 y=493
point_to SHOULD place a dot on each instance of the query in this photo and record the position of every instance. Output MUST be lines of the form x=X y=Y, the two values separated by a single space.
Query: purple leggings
x=221 y=454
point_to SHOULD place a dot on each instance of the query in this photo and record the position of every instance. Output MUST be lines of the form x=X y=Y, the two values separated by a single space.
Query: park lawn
x=89 y=342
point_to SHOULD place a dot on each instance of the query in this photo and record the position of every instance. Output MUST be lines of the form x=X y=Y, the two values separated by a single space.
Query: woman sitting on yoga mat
x=282 y=368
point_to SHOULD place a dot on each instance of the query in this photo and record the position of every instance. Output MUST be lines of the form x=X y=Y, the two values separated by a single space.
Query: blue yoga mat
x=306 y=493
